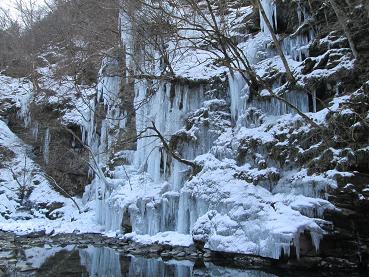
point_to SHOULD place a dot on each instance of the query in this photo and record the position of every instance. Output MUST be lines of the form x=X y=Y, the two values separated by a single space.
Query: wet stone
x=207 y=255
x=25 y=267
x=181 y=254
x=6 y=255
x=166 y=254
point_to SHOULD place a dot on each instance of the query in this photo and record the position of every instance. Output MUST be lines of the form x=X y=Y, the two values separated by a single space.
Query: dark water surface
x=95 y=261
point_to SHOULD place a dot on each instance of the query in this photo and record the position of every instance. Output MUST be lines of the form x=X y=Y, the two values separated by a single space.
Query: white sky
x=9 y=5
x=5 y=3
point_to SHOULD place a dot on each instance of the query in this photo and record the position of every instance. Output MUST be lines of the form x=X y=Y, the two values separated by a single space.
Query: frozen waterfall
x=150 y=192
x=167 y=109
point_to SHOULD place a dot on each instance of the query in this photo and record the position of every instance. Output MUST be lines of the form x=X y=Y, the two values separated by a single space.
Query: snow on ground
x=168 y=238
x=15 y=93
x=27 y=195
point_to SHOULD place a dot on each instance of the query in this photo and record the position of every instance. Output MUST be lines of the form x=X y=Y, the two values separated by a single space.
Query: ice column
x=108 y=96
x=239 y=92
x=24 y=112
x=272 y=106
x=46 y=146
x=270 y=9
x=126 y=29
x=35 y=127
x=104 y=119
x=190 y=209
x=166 y=108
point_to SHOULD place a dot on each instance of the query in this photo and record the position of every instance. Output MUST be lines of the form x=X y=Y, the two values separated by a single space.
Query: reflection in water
x=100 y=261
x=144 y=267
x=106 y=262
x=156 y=267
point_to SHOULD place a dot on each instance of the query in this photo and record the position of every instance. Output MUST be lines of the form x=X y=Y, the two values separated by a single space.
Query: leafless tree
x=343 y=21
x=29 y=12
x=195 y=26
x=23 y=180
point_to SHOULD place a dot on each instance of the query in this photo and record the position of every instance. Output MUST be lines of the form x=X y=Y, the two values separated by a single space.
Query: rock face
x=59 y=153
x=350 y=235
x=41 y=114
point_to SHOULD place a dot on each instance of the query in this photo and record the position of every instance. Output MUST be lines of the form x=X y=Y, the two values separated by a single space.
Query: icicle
x=167 y=109
x=297 y=46
x=35 y=131
x=123 y=121
x=296 y=243
x=183 y=225
x=316 y=238
x=299 y=13
x=127 y=37
x=189 y=211
x=46 y=146
x=169 y=211
x=178 y=170
x=100 y=141
x=24 y=112
x=152 y=219
x=83 y=134
x=272 y=106
x=103 y=146
x=270 y=9
x=239 y=93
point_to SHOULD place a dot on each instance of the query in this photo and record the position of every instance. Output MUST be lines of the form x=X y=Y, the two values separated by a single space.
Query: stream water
x=106 y=262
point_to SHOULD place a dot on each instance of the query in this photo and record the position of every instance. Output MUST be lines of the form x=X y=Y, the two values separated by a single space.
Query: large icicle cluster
x=106 y=114
x=247 y=204
x=240 y=103
x=167 y=109
x=162 y=175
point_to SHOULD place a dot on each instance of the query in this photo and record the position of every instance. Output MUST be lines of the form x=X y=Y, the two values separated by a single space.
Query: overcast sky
x=5 y=3
x=9 y=5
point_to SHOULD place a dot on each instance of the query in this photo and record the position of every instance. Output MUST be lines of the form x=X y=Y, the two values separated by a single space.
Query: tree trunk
x=290 y=76
x=343 y=22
